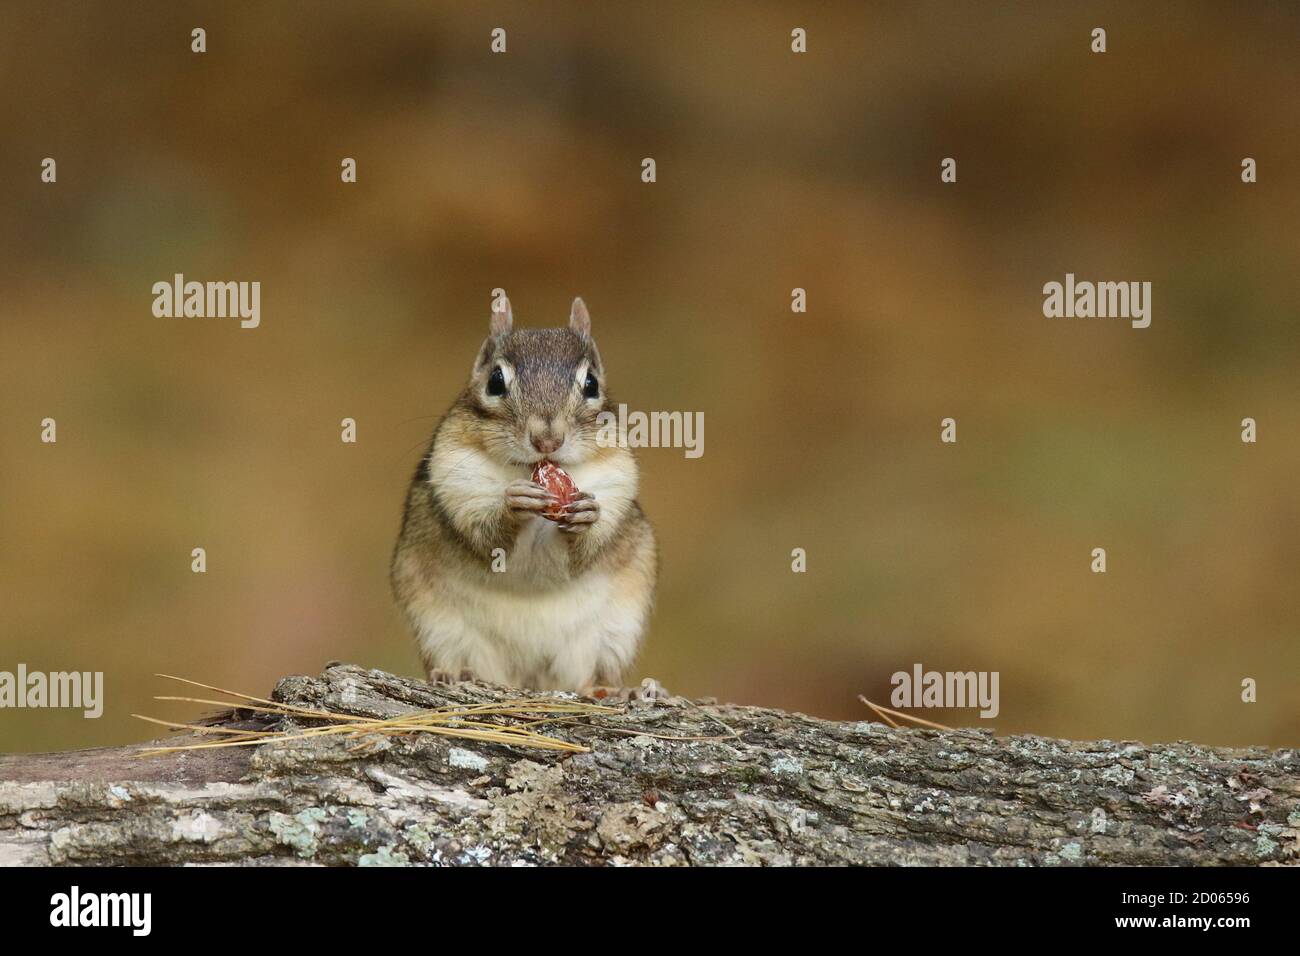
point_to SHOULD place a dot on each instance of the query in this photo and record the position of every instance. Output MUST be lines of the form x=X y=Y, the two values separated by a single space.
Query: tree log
x=767 y=787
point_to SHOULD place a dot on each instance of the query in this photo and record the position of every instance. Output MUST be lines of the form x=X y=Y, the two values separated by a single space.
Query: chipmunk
x=570 y=606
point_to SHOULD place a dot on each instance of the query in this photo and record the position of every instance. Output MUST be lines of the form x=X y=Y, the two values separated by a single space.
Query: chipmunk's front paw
x=525 y=497
x=581 y=513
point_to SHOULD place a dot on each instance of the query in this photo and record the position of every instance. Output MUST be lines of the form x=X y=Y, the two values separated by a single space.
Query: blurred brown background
x=775 y=171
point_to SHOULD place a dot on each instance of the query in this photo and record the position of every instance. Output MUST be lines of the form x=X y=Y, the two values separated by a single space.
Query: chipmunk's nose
x=547 y=444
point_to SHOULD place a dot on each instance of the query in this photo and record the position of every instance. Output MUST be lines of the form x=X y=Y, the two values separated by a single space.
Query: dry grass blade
x=884 y=713
x=513 y=724
x=879 y=713
x=236 y=694
x=203 y=728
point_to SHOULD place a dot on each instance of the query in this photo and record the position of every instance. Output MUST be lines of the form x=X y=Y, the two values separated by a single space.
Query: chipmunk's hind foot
x=443 y=678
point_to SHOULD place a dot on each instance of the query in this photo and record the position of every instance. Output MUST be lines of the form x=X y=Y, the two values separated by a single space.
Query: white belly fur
x=532 y=625
x=557 y=638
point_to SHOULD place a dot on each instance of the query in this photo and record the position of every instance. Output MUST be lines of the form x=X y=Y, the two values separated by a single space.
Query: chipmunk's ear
x=502 y=318
x=485 y=355
x=579 y=319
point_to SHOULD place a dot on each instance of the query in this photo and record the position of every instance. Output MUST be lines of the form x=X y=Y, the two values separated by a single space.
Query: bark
x=787 y=789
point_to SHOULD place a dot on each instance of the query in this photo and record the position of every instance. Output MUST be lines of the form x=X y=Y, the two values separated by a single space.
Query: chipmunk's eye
x=591 y=387
x=497 y=382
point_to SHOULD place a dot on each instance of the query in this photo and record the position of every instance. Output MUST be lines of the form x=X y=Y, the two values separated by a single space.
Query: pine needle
x=885 y=711
x=464 y=721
